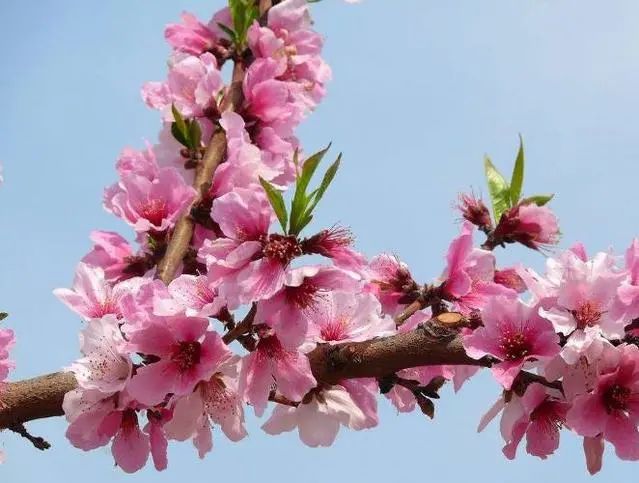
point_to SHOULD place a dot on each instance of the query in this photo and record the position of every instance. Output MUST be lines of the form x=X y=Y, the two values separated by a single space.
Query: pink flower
x=157 y=436
x=335 y=243
x=390 y=281
x=193 y=85
x=288 y=39
x=475 y=211
x=150 y=205
x=593 y=450
x=95 y=421
x=290 y=15
x=347 y=317
x=197 y=294
x=106 y=366
x=363 y=391
x=303 y=294
x=531 y=225
x=142 y=163
x=278 y=148
x=543 y=413
x=318 y=419
x=214 y=402
x=187 y=355
x=92 y=296
x=268 y=98
x=628 y=292
x=111 y=253
x=7 y=341
x=513 y=333
x=244 y=164
x=191 y=36
x=470 y=273
x=270 y=363
x=583 y=311
x=612 y=409
x=251 y=262
x=508 y=277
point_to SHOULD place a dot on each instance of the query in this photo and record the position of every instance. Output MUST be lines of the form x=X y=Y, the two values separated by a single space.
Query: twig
x=36 y=441
x=242 y=328
x=215 y=152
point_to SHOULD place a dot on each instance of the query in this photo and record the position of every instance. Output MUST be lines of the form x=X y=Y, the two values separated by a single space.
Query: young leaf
x=517 y=179
x=498 y=189
x=326 y=181
x=300 y=199
x=539 y=200
x=277 y=202
x=178 y=119
x=228 y=31
x=195 y=134
x=179 y=135
x=306 y=219
x=179 y=128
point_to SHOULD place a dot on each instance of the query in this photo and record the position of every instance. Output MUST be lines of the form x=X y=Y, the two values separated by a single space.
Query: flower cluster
x=157 y=364
x=577 y=332
x=237 y=323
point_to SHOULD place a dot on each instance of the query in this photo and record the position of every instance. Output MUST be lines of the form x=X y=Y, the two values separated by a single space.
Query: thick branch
x=431 y=344
x=428 y=345
x=36 y=398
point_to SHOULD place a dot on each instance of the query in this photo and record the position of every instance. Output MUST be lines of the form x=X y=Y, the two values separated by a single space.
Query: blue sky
x=421 y=90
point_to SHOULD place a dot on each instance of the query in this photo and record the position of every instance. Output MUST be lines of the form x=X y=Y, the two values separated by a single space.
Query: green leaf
x=178 y=119
x=326 y=181
x=179 y=128
x=179 y=135
x=243 y=13
x=539 y=200
x=498 y=189
x=517 y=179
x=228 y=31
x=306 y=219
x=277 y=202
x=3 y=315
x=300 y=199
x=195 y=134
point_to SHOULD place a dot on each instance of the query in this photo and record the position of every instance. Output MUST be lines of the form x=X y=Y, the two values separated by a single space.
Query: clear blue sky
x=421 y=90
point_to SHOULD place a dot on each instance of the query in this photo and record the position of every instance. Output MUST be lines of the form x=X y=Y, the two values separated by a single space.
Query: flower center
x=550 y=414
x=186 y=355
x=270 y=347
x=616 y=398
x=515 y=345
x=129 y=421
x=334 y=331
x=587 y=315
x=154 y=211
x=303 y=296
x=281 y=248
x=204 y=292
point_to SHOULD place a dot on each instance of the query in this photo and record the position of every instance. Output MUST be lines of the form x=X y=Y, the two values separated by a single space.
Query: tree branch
x=214 y=155
x=430 y=344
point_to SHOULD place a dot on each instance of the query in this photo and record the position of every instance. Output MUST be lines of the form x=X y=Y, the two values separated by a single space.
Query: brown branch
x=430 y=344
x=242 y=328
x=37 y=442
x=214 y=155
x=36 y=398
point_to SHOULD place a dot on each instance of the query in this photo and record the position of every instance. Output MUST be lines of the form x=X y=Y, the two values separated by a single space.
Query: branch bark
x=214 y=155
x=430 y=344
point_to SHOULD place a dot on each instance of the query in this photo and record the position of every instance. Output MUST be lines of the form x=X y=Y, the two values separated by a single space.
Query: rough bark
x=430 y=344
